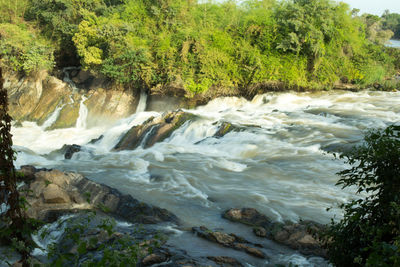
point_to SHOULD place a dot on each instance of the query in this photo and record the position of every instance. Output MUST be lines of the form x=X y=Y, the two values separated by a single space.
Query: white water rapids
x=278 y=163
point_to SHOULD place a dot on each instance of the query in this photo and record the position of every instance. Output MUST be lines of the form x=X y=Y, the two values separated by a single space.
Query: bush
x=369 y=233
x=22 y=50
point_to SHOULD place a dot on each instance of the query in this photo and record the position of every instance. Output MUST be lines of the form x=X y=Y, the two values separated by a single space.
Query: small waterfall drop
x=142 y=102
x=53 y=117
x=67 y=76
x=83 y=113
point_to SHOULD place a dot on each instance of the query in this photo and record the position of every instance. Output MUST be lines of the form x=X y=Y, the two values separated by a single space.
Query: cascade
x=67 y=76
x=83 y=113
x=142 y=102
x=52 y=118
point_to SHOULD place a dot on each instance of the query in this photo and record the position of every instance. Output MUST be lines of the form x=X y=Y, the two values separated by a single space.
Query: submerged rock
x=67 y=151
x=70 y=150
x=229 y=240
x=53 y=193
x=225 y=128
x=96 y=140
x=153 y=130
x=248 y=216
x=225 y=261
x=301 y=236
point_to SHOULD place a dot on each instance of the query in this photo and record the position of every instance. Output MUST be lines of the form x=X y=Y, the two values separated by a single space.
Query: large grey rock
x=52 y=193
x=153 y=130
x=248 y=216
x=301 y=236
x=229 y=240
x=36 y=97
x=55 y=194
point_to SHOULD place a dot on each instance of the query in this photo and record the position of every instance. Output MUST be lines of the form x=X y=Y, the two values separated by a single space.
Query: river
x=394 y=43
x=279 y=163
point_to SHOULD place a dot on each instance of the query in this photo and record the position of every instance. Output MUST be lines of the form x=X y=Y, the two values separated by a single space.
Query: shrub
x=22 y=50
x=369 y=233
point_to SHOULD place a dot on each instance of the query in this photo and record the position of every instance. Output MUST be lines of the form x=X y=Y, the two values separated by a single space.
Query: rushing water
x=83 y=113
x=394 y=43
x=278 y=163
x=52 y=118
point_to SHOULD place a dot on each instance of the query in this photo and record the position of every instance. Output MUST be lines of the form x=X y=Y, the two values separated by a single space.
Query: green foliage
x=90 y=241
x=375 y=29
x=369 y=233
x=12 y=11
x=22 y=50
x=198 y=45
x=391 y=21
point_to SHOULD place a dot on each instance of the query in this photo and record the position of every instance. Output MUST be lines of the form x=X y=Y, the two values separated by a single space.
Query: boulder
x=55 y=194
x=36 y=97
x=70 y=150
x=96 y=140
x=248 y=216
x=260 y=231
x=52 y=193
x=225 y=128
x=153 y=130
x=301 y=236
x=225 y=261
x=229 y=241
x=154 y=258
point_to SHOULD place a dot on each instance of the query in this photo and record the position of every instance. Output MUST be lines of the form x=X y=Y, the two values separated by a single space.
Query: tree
x=369 y=233
x=391 y=21
x=14 y=228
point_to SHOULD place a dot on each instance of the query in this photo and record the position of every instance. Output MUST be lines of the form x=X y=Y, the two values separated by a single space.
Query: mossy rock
x=227 y=127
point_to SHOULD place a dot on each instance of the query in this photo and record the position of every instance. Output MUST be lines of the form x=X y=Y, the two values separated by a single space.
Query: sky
x=376 y=7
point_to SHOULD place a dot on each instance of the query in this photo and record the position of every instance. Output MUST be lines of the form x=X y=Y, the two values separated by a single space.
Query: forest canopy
x=198 y=45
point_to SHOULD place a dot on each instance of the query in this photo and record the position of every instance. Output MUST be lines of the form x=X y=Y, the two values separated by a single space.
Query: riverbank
x=55 y=103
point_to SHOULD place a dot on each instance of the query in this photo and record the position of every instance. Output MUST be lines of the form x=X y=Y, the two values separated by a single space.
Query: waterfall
x=142 y=102
x=67 y=77
x=53 y=117
x=83 y=113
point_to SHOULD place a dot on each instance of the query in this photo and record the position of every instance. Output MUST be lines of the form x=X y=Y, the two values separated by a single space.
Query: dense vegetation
x=197 y=45
x=391 y=21
x=369 y=233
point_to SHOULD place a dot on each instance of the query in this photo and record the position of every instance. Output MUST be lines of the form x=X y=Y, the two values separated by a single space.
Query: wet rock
x=67 y=151
x=216 y=237
x=225 y=128
x=36 y=97
x=95 y=140
x=300 y=236
x=248 y=216
x=54 y=194
x=28 y=172
x=70 y=150
x=80 y=76
x=154 y=258
x=260 y=231
x=228 y=240
x=153 y=130
x=225 y=261
x=108 y=104
x=250 y=250
x=52 y=190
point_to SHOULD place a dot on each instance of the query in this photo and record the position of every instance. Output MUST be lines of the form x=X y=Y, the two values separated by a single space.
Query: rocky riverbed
x=208 y=169
x=53 y=195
